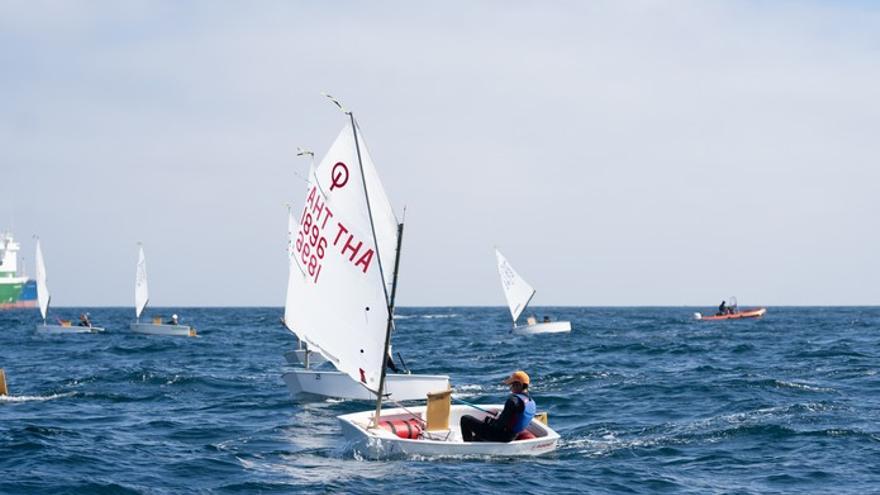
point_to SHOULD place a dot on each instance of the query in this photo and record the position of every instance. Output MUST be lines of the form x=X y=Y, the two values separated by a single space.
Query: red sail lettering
x=311 y=197
x=318 y=207
x=328 y=216
x=349 y=246
x=365 y=259
x=342 y=230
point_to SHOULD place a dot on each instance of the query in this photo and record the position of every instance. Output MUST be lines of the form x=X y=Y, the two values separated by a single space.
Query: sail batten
x=141 y=291
x=517 y=291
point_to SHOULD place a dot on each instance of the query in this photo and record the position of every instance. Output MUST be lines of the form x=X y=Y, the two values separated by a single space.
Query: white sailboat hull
x=159 y=329
x=59 y=329
x=339 y=385
x=297 y=357
x=550 y=327
x=379 y=443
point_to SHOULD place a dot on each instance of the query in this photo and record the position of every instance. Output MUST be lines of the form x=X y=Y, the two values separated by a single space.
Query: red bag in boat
x=403 y=428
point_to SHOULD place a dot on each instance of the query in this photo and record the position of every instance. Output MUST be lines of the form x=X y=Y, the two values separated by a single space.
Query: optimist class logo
x=338 y=176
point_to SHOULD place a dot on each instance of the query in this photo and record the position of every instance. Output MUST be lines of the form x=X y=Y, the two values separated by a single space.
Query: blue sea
x=646 y=400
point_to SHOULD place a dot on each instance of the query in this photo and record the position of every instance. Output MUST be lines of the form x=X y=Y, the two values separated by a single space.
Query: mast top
x=336 y=102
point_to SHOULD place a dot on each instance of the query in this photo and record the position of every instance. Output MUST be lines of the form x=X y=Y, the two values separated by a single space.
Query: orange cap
x=518 y=376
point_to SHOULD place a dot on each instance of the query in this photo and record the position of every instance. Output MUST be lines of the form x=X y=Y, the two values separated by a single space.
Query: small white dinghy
x=142 y=297
x=66 y=327
x=336 y=384
x=346 y=229
x=434 y=431
x=43 y=297
x=159 y=328
x=519 y=293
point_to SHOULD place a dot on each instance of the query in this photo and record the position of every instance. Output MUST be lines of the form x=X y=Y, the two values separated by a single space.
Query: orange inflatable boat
x=749 y=313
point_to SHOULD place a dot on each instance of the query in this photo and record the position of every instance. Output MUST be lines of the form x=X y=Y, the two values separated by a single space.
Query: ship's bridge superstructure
x=8 y=255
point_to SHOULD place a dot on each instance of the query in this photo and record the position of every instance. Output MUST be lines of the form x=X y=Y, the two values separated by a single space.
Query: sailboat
x=43 y=297
x=333 y=262
x=344 y=307
x=142 y=297
x=519 y=293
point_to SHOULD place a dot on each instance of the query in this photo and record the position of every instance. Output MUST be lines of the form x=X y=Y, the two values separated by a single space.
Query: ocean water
x=646 y=400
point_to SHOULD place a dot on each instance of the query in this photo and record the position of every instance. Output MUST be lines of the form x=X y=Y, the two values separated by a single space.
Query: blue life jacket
x=526 y=416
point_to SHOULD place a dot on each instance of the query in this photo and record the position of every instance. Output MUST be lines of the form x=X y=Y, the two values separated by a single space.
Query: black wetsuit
x=722 y=309
x=499 y=429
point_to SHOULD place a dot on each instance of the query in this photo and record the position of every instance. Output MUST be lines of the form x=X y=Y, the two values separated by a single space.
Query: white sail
x=517 y=291
x=141 y=292
x=43 y=295
x=291 y=263
x=291 y=232
x=336 y=301
x=384 y=220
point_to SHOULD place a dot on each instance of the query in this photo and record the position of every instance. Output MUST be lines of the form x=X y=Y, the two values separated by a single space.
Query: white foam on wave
x=802 y=386
x=708 y=430
x=427 y=317
x=34 y=398
x=469 y=390
x=313 y=468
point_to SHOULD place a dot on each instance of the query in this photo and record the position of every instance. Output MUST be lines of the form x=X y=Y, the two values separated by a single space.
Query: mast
x=396 y=267
x=389 y=302
x=526 y=305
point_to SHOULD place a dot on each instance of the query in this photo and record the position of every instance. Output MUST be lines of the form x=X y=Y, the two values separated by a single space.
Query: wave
x=800 y=386
x=34 y=398
x=468 y=390
x=426 y=317
x=769 y=422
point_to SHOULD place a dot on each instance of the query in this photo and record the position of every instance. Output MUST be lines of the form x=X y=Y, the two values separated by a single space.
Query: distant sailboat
x=142 y=297
x=332 y=303
x=43 y=297
x=519 y=293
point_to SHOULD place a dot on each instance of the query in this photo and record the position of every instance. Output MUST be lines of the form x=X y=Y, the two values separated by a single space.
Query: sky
x=618 y=153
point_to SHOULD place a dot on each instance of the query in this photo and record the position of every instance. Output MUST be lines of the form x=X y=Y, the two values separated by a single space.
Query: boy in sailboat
x=519 y=409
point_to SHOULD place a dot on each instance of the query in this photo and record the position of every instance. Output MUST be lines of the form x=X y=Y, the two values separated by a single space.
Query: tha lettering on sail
x=312 y=243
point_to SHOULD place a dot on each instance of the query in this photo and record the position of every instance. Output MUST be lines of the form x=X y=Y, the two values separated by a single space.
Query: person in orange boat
x=514 y=418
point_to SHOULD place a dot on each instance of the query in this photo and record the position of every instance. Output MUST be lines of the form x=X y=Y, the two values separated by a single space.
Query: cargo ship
x=16 y=289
